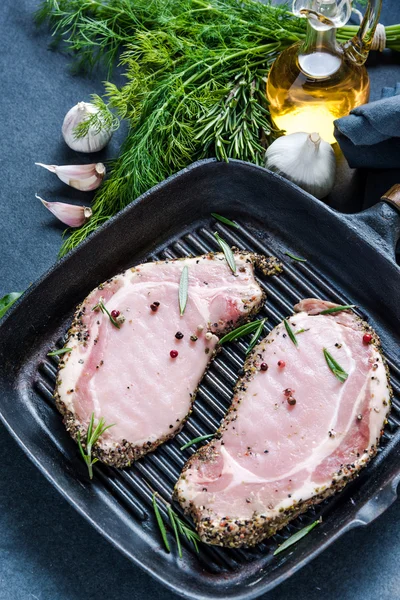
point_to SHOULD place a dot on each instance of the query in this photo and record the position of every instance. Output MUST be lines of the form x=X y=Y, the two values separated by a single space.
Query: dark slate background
x=47 y=551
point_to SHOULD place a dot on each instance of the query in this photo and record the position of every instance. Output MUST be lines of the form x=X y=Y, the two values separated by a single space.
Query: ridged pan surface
x=348 y=261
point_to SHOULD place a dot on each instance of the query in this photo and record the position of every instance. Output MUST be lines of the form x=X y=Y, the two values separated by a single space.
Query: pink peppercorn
x=281 y=364
x=173 y=353
x=367 y=338
x=115 y=314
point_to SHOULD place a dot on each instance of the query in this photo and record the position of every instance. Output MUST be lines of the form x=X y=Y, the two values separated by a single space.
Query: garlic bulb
x=80 y=177
x=94 y=140
x=304 y=159
x=70 y=214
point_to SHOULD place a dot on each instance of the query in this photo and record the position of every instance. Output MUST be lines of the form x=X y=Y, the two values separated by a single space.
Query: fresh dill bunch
x=195 y=82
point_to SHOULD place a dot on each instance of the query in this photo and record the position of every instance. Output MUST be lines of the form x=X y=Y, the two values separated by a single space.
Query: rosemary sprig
x=225 y=220
x=60 y=351
x=336 y=309
x=296 y=537
x=298 y=258
x=201 y=438
x=183 y=289
x=226 y=249
x=255 y=337
x=335 y=367
x=92 y=437
x=179 y=527
x=240 y=331
x=100 y=306
x=290 y=332
x=7 y=301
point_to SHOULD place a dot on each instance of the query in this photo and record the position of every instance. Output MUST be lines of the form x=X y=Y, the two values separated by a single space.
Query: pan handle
x=378 y=503
x=382 y=222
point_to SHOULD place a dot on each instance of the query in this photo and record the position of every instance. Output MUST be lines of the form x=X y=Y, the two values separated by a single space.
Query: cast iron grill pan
x=348 y=262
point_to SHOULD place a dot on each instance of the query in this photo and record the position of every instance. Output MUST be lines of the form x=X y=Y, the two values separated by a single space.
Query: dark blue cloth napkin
x=370 y=135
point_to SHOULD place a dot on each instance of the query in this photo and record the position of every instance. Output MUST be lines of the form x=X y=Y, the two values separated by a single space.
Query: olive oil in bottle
x=314 y=82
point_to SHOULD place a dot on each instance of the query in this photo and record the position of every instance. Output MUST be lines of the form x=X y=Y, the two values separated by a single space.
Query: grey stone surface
x=47 y=551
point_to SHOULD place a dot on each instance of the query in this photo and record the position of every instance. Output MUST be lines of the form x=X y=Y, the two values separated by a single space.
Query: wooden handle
x=393 y=196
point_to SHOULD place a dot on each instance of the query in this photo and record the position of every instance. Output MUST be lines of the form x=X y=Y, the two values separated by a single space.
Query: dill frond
x=95 y=122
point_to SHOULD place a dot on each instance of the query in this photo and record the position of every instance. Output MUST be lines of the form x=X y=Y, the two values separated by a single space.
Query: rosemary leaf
x=240 y=332
x=296 y=537
x=225 y=220
x=290 y=332
x=201 y=438
x=336 y=309
x=60 y=351
x=191 y=535
x=100 y=305
x=160 y=523
x=226 y=249
x=335 y=367
x=301 y=331
x=298 y=258
x=7 y=301
x=255 y=337
x=175 y=528
x=183 y=289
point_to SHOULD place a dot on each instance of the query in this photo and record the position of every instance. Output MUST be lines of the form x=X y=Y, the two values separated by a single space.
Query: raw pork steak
x=142 y=376
x=295 y=433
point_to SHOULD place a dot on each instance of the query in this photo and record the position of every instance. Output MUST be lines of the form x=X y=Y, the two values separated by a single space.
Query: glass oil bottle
x=316 y=81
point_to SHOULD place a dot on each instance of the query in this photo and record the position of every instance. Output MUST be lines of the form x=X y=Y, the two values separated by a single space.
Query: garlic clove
x=80 y=177
x=96 y=139
x=306 y=160
x=70 y=214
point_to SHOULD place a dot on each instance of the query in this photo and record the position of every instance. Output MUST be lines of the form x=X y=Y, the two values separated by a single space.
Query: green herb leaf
x=185 y=530
x=239 y=332
x=290 y=332
x=336 y=309
x=183 y=289
x=301 y=331
x=176 y=532
x=227 y=250
x=255 y=337
x=298 y=258
x=296 y=537
x=160 y=523
x=7 y=301
x=225 y=220
x=92 y=438
x=201 y=438
x=60 y=351
x=100 y=306
x=335 y=367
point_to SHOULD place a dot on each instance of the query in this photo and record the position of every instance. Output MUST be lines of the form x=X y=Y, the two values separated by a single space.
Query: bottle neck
x=319 y=40
x=320 y=56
